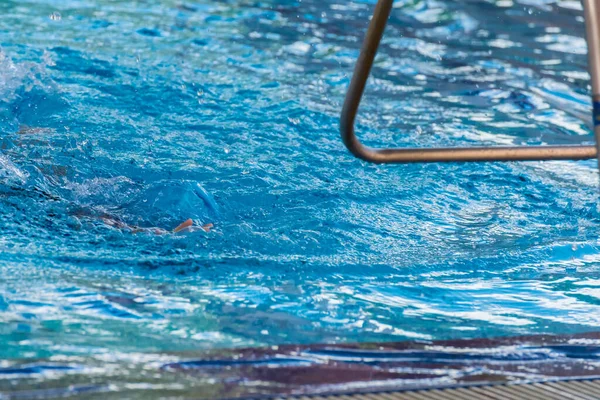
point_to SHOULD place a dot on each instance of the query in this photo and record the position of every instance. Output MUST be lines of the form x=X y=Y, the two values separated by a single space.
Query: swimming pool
x=152 y=112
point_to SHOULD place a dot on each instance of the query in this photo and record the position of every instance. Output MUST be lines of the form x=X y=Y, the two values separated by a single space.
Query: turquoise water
x=147 y=113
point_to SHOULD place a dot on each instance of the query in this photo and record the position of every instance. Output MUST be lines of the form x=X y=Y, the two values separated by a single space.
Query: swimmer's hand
x=188 y=224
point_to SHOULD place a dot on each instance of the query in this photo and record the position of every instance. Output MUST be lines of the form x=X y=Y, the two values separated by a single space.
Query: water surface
x=227 y=112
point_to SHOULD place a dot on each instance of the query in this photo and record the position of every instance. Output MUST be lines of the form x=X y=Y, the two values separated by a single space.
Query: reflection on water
x=248 y=373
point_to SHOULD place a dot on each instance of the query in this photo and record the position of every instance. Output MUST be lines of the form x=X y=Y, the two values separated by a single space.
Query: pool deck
x=530 y=366
x=573 y=390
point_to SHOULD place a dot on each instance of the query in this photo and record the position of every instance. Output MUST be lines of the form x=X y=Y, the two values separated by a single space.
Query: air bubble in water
x=47 y=58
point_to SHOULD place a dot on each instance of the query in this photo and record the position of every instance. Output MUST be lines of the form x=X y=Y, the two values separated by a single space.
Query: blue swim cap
x=166 y=204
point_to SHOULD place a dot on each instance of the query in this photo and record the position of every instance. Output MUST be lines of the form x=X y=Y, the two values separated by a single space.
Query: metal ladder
x=460 y=154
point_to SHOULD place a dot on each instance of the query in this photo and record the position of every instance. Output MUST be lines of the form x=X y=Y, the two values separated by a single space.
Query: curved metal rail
x=510 y=153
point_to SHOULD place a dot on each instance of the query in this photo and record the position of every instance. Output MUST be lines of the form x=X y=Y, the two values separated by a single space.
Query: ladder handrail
x=450 y=154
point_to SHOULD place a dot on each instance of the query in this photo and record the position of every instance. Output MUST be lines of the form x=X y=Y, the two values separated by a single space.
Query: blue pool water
x=152 y=112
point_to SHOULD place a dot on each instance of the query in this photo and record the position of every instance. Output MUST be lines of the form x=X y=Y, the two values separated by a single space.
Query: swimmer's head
x=167 y=203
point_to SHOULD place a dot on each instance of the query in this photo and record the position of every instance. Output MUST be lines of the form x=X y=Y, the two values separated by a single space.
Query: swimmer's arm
x=187 y=224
